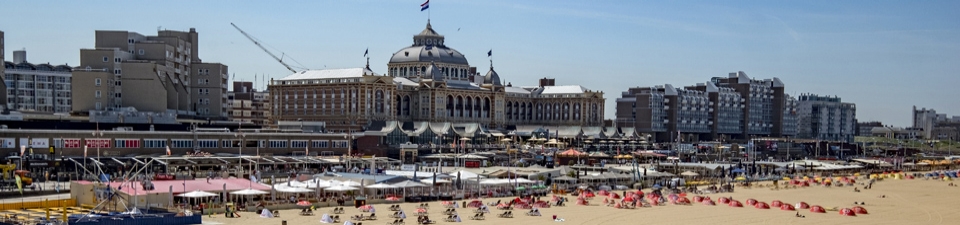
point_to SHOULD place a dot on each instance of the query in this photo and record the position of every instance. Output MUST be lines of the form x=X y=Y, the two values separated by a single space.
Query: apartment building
x=826 y=118
x=248 y=105
x=160 y=74
x=735 y=107
x=3 y=88
x=36 y=88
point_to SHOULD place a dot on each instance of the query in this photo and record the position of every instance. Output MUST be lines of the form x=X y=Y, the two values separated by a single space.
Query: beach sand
x=906 y=202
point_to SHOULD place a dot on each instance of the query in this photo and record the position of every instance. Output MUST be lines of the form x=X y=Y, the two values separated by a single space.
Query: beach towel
x=326 y=219
x=266 y=213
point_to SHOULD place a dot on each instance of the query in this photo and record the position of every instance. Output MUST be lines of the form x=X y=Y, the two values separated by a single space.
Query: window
x=278 y=143
x=207 y=143
x=181 y=143
x=298 y=144
x=98 y=106
x=105 y=59
x=116 y=59
x=96 y=82
x=141 y=51
x=321 y=144
x=97 y=94
x=117 y=72
x=126 y=143
x=154 y=143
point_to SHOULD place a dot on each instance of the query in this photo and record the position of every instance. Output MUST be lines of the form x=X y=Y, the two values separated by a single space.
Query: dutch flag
x=425 y=5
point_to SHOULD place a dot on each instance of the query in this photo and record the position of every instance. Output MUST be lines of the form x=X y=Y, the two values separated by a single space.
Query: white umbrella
x=197 y=194
x=249 y=192
x=381 y=186
x=523 y=181
x=491 y=182
x=689 y=173
x=341 y=188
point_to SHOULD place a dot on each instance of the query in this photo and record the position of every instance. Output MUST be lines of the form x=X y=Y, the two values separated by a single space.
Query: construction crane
x=254 y=40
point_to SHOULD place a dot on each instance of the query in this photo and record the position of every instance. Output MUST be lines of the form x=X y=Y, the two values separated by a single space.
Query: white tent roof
x=430 y=181
x=463 y=174
x=407 y=183
x=197 y=194
x=249 y=192
x=381 y=186
x=341 y=188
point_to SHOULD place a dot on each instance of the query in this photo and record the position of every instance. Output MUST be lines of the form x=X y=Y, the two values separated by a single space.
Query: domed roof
x=492 y=78
x=433 y=72
x=428 y=47
x=425 y=53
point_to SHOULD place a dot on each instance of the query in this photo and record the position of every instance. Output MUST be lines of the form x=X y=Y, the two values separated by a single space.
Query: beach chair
x=276 y=213
x=372 y=216
x=449 y=219
x=336 y=219
x=478 y=216
x=507 y=214
x=426 y=221
x=395 y=222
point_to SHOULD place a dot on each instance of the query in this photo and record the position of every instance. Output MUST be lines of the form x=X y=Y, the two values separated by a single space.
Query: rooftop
x=330 y=73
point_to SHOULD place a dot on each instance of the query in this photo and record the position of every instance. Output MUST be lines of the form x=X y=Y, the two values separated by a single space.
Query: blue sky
x=885 y=56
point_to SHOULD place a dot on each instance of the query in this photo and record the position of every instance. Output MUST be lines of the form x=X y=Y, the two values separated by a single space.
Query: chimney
x=19 y=56
x=546 y=82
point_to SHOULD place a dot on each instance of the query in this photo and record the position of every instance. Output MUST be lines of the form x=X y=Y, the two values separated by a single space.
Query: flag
x=308 y=150
x=425 y=5
x=84 y=151
x=23 y=148
x=19 y=183
x=168 y=150
x=365 y=52
x=490 y=53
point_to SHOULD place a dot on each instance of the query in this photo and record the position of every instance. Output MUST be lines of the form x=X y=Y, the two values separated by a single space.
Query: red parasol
x=751 y=201
x=393 y=198
x=304 y=203
x=421 y=210
x=776 y=203
x=475 y=204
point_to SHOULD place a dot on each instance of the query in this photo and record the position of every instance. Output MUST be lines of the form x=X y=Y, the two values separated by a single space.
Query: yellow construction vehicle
x=10 y=169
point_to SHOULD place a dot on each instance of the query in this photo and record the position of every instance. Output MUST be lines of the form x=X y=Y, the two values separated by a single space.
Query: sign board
x=408 y=167
x=36 y=142
x=97 y=143
x=71 y=143
x=8 y=143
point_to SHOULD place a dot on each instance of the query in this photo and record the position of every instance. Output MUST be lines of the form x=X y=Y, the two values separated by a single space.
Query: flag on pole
x=84 y=151
x=490 y=53
x=307 y=150
x=168 y=150
x=365 y=52
x=23 y=148
x=19 y=183
x=425 y=5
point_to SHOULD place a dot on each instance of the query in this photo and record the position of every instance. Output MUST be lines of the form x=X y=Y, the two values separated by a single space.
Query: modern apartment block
x=735 y=107
x=3 y=88
x=158 y=74
x=40 y=88
x=826 y=118
x=248 y=105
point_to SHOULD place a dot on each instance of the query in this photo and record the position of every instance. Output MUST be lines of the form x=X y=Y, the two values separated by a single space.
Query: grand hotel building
x=429 y=84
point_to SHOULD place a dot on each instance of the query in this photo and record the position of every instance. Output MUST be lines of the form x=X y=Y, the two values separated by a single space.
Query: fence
x=145 y=220
x=38 y=205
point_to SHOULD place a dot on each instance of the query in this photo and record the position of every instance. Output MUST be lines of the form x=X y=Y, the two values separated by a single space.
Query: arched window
x=378 y=102
x=486 y=107
x=450 y=105
x=399 y=106
x=406 y=105
x=509 y=111
x=459 y=106
x=566 y=111
x=477 y=108
x=576 y=111
x=469 y=107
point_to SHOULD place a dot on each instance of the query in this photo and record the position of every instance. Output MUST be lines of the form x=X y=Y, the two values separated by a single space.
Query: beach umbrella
x=859 y=210
x=689 y=174
x=392 y=198
x=304 y=203
x=381 y=186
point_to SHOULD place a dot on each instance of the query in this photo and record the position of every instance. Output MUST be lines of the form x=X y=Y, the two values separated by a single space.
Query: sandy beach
x=906 y=202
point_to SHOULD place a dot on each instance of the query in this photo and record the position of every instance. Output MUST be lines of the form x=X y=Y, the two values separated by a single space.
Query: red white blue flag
x=425 y=5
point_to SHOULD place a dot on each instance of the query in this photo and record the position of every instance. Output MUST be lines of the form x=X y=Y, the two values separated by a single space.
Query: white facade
x=826 y=118
x=40 y=88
